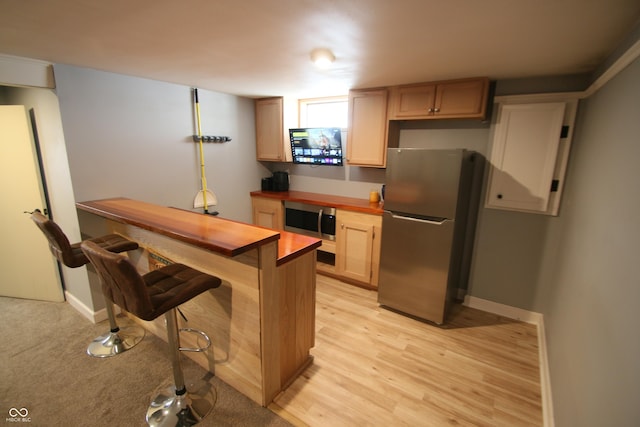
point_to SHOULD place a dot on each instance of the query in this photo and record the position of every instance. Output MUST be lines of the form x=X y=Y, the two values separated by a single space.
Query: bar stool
x=148 y=296
x=118 y=339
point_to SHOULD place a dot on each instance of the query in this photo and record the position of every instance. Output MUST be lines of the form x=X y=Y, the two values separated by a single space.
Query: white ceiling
x=261 y=47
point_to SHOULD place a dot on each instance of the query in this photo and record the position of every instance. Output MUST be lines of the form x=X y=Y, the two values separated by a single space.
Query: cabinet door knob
x=436 y=110
x=499 y=196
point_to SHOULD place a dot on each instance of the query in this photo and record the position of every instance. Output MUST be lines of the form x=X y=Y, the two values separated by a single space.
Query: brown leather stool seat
x=117 y=340
x=147 y=297
x=71 y=255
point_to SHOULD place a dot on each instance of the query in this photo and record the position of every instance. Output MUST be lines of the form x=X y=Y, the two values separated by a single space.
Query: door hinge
x=554 y=185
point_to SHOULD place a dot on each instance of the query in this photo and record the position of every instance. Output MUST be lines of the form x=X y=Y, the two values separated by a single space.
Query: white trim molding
x=17 y=71
x=92 y=316
x=503 y=310
x=534 y=319
x=620 y=64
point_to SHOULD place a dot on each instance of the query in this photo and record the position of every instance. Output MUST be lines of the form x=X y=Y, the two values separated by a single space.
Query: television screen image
x=316 y=146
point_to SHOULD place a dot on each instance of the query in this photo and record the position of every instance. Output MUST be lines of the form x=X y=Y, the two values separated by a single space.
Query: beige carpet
x=45 y=370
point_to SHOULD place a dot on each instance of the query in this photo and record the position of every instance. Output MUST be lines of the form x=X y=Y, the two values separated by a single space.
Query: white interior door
x=29 y=270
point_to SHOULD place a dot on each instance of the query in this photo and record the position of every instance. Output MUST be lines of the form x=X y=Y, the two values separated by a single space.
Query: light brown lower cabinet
x=268 y=212
x=354 y=254
x=358 y=246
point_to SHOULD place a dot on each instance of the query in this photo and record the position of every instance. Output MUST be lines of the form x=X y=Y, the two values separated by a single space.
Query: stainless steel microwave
x=312 y=220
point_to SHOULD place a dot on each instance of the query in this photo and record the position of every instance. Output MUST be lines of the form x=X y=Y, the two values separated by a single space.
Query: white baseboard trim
x=93 y=316
x=545 y=377
x=503 y=310
x=534 y=319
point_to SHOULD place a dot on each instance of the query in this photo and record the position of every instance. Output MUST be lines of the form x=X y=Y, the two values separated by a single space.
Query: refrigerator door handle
x=424 y=221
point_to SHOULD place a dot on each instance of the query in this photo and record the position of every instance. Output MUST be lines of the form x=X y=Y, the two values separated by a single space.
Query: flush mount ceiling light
x=322 y=57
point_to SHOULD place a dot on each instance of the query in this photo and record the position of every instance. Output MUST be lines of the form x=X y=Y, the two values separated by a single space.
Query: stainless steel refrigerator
x=430 y=209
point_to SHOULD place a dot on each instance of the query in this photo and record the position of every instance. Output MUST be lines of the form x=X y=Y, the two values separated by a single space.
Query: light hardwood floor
x=375 y=367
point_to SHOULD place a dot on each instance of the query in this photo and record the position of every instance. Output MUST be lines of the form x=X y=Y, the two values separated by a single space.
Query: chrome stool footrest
x=199 y=333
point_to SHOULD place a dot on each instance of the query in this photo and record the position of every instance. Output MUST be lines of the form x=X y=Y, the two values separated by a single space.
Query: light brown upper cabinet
x=274 y=117
x=466 y=98
x=269 y=129
x=367 y=132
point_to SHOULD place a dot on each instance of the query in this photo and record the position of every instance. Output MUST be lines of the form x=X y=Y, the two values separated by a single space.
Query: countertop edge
x=338 y=202
x=290 y=256
x=290 y=246
x=87 y=207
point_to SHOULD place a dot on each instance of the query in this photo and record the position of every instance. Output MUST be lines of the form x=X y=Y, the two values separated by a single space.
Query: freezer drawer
x=414 y=266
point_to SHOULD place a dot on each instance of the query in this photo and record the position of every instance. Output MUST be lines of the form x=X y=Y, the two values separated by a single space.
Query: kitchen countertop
x=338 y=202
x=220 y=235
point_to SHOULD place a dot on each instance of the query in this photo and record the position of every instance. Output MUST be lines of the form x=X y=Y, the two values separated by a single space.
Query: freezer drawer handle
x=407 y=218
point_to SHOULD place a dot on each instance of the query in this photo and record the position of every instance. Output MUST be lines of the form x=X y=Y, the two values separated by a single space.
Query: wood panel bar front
x=261 y=320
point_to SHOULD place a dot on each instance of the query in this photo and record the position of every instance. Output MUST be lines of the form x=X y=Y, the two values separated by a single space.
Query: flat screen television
x=316 y=146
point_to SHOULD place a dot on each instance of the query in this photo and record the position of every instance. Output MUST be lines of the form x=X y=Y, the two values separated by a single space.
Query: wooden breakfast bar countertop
x=261 y=319
x=220 y=235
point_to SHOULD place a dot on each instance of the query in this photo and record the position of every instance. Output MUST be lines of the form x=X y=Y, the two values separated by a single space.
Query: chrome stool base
x=113 y=343
x=169 y=409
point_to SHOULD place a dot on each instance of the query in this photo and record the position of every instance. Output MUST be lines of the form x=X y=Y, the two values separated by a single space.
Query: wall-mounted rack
x=207 y=138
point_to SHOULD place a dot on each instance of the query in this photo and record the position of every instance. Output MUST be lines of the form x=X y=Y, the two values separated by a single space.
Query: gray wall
x=132 y=137
x=589 y=282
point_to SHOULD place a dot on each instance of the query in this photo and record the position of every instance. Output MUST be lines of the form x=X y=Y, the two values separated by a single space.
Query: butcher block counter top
x=220 y=235
x=338 y=202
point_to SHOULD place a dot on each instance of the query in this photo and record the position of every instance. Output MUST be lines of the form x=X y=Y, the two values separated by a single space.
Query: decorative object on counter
x=374 y=196
x=267 y=184
x=148 y=297
x=117 y=340
x=280 y=181
x=204 y=196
